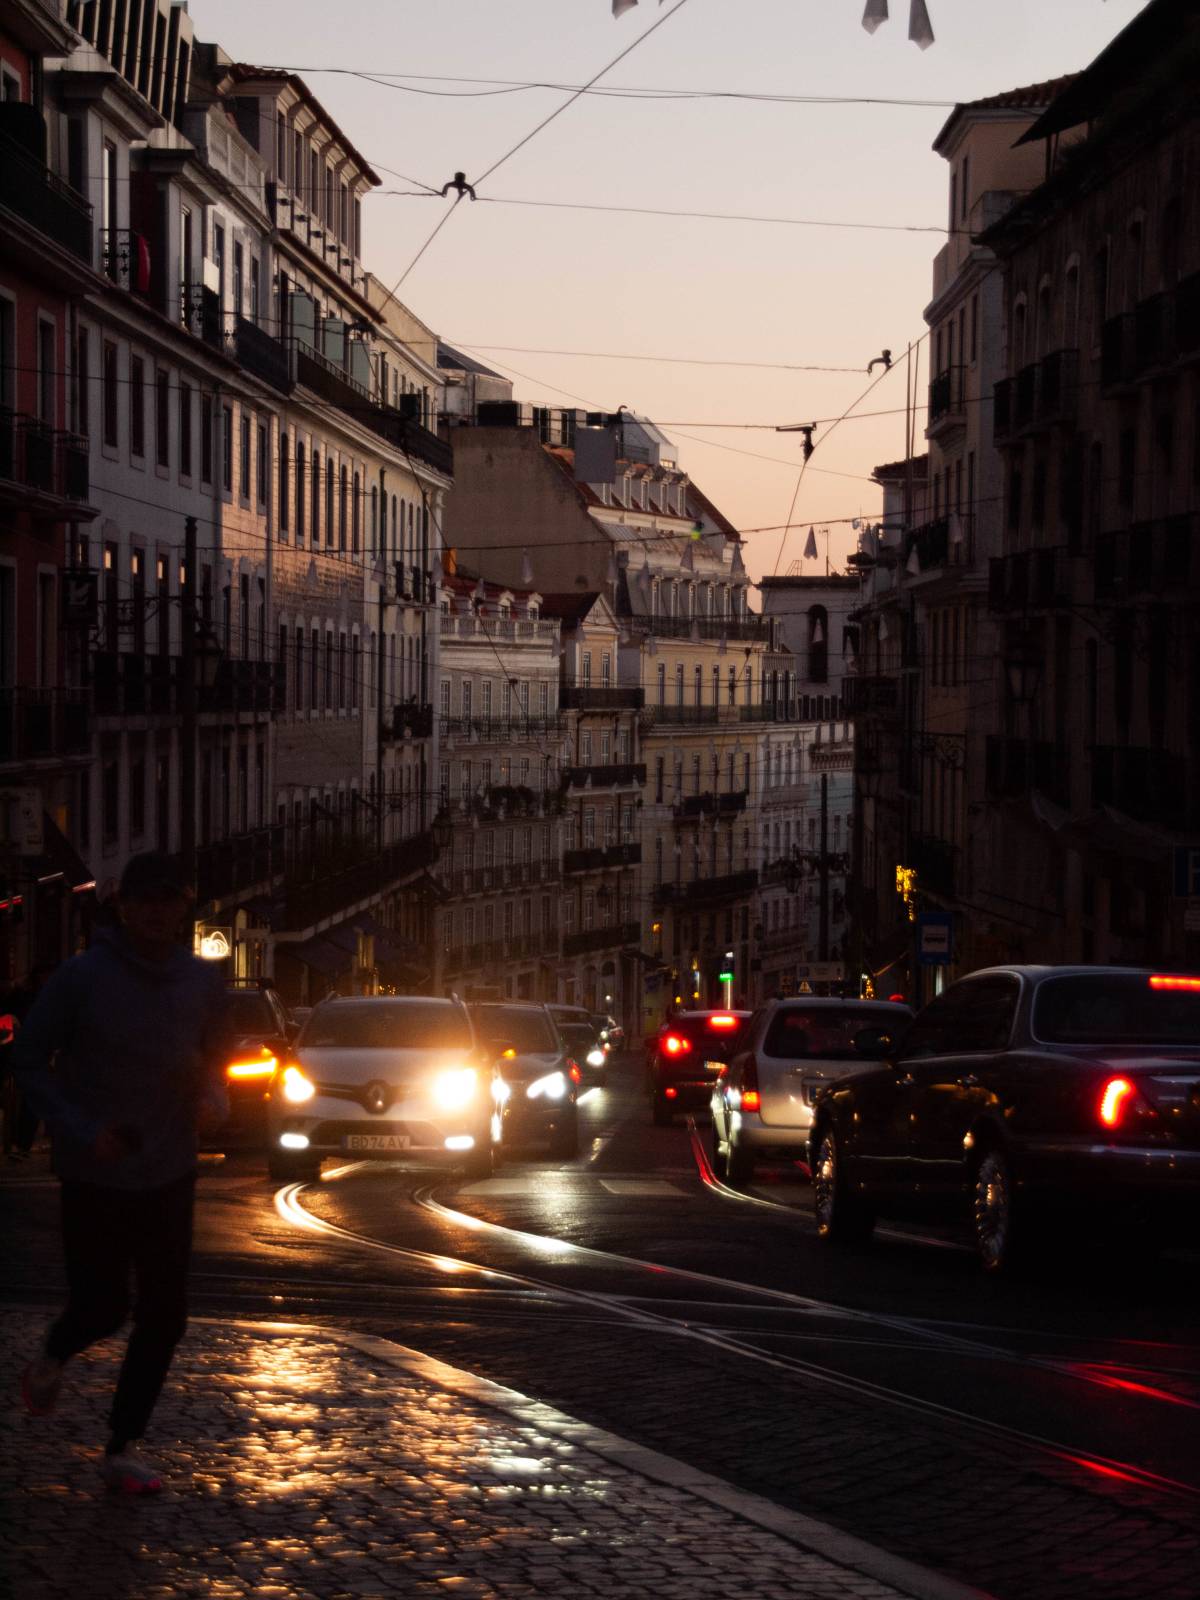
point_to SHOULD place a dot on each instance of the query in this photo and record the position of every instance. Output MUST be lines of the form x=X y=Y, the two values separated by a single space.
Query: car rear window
x=1108 y=1008
x=250 y=1012
x=526 y=1031
x=703 y=1033
x=381 y=1025
x=825 y=1033
x=577 y=1038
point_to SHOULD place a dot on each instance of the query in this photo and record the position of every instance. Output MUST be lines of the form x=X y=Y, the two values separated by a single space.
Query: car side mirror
x=292 y=1031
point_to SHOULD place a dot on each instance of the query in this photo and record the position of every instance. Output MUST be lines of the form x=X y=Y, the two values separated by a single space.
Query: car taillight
x=671 y=1092
x=1117 y=1092
x=675 y=1045
x=722 y=1021
x=573 y=1072
x=1171 y=983
x=751 y=1098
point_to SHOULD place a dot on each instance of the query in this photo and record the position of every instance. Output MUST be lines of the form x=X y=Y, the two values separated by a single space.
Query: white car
x=762 y=1104
x=385 y=1078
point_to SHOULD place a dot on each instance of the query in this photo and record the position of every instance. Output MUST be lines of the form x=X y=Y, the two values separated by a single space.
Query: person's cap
x=152 y=875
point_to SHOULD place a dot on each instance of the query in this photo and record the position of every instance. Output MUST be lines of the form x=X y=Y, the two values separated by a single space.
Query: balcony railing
x=710 y=804
x=336 y=386
x=43 y=724
x=1014 y=767
x=583 y=697
x=605 y=777
x=489 y=953
x=597 y=858
x=947 y=398
x=707 y=891
x=1156 y=557
x=743 y=629
x=931 y=542
x=870 y=694
x=614 y=936
x=1149 y=785
x=31 y=190
x=701 y=715
x=409 y=722
x=501 y=875
x=1041 y=394
x=240 y=862
x=37 y=457
x=1028 y=580
x=241 y=687
x=485 y=729
x=320 y=888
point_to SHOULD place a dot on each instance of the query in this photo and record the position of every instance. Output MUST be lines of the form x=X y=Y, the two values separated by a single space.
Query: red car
x=685 y=1057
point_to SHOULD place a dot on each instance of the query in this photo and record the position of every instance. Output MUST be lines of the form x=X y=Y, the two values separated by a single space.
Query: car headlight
x=455 y=1089
x=595 y=1058
x=552 y=1087
x=296 y=1087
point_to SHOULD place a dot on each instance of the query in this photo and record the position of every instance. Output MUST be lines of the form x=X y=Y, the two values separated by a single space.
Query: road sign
x=1186 y=877
x=935 y=938
x=821 y=971
x=21 y=820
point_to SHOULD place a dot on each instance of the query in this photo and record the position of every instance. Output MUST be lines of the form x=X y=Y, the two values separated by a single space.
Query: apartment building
x=1091 y=774
x=46 y=254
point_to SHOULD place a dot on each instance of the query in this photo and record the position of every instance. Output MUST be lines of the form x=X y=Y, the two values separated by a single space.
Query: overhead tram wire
x=624 y=355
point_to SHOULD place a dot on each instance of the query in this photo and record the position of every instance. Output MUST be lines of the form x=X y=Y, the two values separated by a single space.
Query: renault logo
x=377 y=1097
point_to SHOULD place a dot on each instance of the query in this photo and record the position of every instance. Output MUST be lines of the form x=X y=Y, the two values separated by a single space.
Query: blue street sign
x=1187 y=871
x=935 y=938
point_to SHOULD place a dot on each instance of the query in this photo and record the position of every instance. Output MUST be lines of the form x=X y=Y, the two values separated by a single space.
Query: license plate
x=375 y=1141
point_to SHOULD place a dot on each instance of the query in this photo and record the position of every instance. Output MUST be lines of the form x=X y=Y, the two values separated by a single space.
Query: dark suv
x=262 y=1030
x=685 y=1058
x=542 y=1078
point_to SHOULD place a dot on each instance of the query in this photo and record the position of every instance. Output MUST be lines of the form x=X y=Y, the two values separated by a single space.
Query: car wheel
x=739 y=1165
x=480 y=1162
x=292 y=1169
x=565 y=1142
x=662 y=1113
x=996 y=1214
x=842 y=1216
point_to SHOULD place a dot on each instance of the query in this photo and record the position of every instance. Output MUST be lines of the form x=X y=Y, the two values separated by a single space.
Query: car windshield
x=578 y=1038
x=1110 y=1008
x=383 y=1025
x=250 y=1012
x=528 y=1032
x=824 y=1033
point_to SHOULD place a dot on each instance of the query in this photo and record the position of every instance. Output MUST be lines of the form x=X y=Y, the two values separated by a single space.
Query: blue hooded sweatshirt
x=117 y=1041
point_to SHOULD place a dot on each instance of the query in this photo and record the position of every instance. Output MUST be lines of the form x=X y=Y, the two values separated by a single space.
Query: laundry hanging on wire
x=920 y=29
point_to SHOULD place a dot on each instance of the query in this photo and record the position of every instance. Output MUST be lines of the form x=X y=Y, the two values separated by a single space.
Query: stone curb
x=818 y=1538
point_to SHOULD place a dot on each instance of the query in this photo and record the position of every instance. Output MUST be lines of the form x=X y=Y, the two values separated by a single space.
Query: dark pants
x=109 y=1236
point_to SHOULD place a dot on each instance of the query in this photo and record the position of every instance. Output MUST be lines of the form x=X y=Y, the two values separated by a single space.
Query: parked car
x=541 y=1075
x=1018 y=1096
x=685 y=1057
x=262 y=1029
x=762 y=1107
x=585 y=1050
x=383 y=1078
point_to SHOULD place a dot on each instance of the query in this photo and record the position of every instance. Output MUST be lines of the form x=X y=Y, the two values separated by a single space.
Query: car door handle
x=968 y=1081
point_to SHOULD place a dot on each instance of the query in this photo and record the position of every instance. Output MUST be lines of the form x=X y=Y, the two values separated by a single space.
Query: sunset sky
x=550 y=279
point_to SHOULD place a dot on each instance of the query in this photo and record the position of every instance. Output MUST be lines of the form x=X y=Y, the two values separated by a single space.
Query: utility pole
x=187 y=704
x=379 y=717
x=823 y=931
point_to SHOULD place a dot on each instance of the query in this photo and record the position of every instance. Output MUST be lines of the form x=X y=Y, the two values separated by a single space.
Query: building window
x=316 y=499
x=110 y=391
x=162 y=416
x=301 y=490
x=284 y=482
x=244 y=474
x=137 y=406
x=185 y=430
x=206 y=437
x=47 y=373
x=263 y=463
x=227 y=448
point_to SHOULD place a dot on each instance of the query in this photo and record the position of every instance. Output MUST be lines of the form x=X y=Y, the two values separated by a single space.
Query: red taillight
x=1163 y=981
x=675 y=1045
x=671 y=1092
x=751 y=1099
x=1116 y=1096
x=573 y=1072
x=722 y=1021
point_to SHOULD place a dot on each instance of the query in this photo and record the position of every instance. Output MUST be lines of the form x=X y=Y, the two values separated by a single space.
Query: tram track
x=653 y=1313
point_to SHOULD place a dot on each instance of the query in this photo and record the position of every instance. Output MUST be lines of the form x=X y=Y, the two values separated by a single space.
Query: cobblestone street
x=303 y=1463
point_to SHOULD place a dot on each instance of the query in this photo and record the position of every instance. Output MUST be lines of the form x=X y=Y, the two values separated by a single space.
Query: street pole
x=187 y=704
x=823 y=934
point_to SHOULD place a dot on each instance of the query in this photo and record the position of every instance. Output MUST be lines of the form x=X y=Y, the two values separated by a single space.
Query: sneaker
x=130 y=1473
x=40 y=1383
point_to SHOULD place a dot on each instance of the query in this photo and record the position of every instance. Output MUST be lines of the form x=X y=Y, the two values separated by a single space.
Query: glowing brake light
x=1112 y=1102
x=261 y=1066
x=722 y=1020
x=751 y=1100
x=573 y=1072
x=1187 y=985
x=674 y=1045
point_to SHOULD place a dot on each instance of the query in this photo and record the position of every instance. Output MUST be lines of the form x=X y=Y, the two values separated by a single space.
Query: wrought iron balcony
x=653 y=716
x=947 y=400
x=346 y=870
x=745 y=629
x=620 y=776
x=710 y=804
x=598 y=858
x=43 y=724
x=615 y=936
x=240 y=862
x=409 y=722
x=931 y=542
x=707 y=891
x=870 y=694
x=30 y=190
x=42 y=470
x=583 y=697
